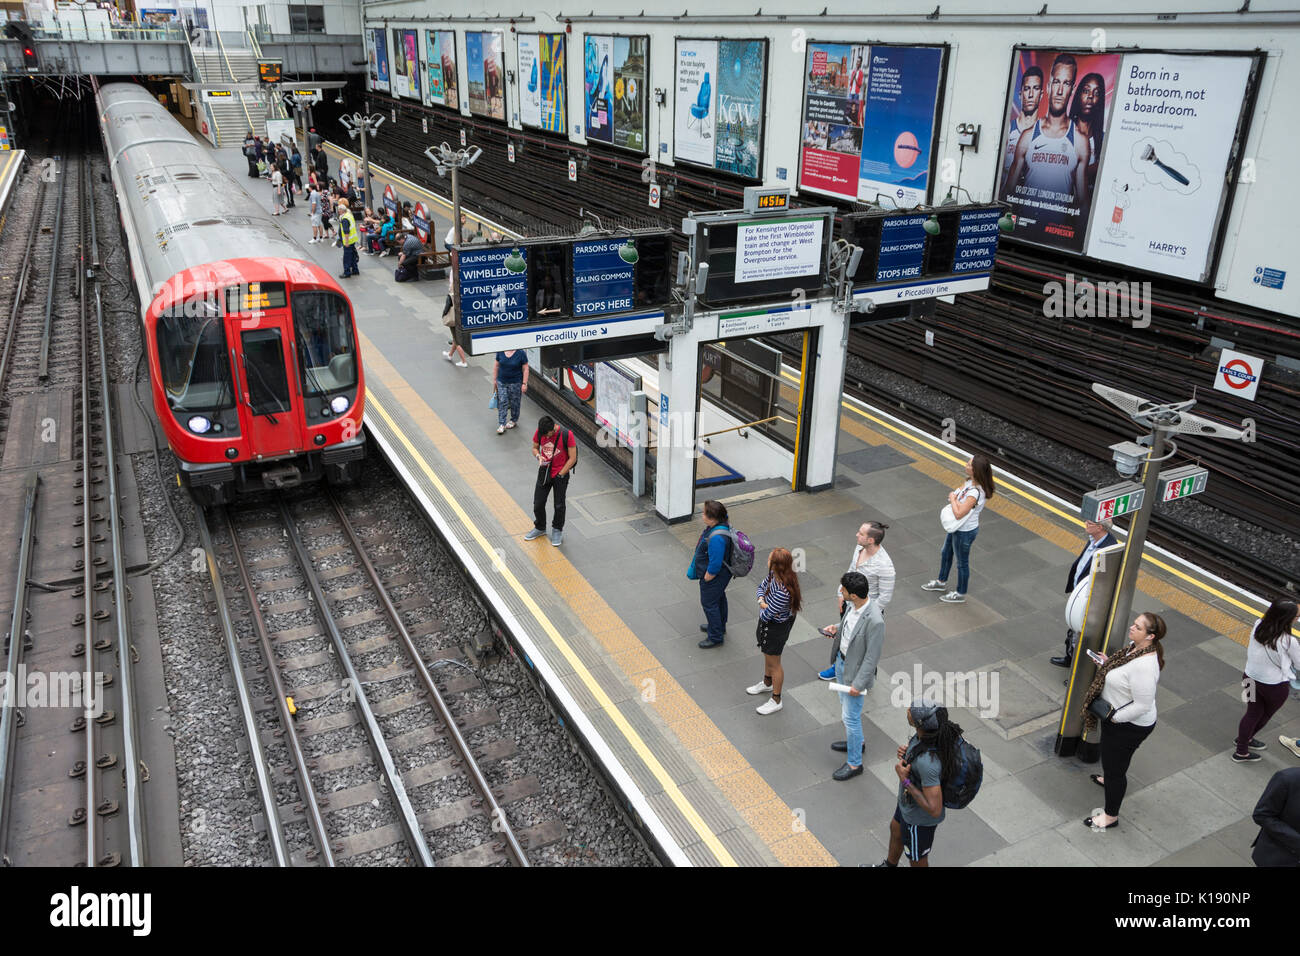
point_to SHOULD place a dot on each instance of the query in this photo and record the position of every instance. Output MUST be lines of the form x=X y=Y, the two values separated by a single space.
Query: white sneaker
x=759 y=688
x=952 y=597
x=447 y=356
x=1290 y=743
x=768 y=707
x=462 y=364
x=934 y=585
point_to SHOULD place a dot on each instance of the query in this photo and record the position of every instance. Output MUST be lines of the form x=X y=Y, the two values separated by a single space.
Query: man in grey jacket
x=855 y=650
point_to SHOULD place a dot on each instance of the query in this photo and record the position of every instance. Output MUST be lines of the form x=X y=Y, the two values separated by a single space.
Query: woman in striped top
x=779 y=601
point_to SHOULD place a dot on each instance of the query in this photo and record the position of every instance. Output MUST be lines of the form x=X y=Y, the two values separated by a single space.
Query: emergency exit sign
x=1112 y=502
x=1182 y=482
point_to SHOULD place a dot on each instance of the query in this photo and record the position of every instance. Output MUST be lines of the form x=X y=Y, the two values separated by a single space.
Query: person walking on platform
x=277 y=192
x=966 y=502
x=709 y=567
x=1125 y=684
x=453 y=348
x=779 y=602
x=1278 y=816
x=314 y=210
x=855 y=652
x=924 y=762
x=509 y=382
x=350 y=239
x=556 y=451
x=871 y=559
x=1099 y=536
x=1272 y=659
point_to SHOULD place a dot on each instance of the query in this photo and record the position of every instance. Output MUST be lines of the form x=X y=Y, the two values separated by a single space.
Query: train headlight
x=319 y=439
x=339 y=404
x=199 y=425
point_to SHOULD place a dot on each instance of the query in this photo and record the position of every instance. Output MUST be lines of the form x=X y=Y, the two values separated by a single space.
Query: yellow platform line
x=1212 y=617
x=780 y=827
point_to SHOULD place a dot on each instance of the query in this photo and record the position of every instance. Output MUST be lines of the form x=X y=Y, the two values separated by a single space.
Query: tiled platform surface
x=621 y=624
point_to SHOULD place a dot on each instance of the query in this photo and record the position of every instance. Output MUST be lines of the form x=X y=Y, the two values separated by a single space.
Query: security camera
x=338 y=100
x=1128 y=457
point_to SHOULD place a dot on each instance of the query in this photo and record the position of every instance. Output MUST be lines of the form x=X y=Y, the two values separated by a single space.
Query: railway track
x=366 y=748
x=1206 y=551
x=71 y=775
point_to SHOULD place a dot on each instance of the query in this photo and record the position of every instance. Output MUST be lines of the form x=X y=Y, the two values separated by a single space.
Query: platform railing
x=760 y=421
x=234 y=79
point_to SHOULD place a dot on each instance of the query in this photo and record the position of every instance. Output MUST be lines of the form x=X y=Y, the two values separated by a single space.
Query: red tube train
x=252 y=349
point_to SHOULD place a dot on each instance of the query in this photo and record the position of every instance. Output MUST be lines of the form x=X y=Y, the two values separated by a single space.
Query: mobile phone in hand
x=1098 y=658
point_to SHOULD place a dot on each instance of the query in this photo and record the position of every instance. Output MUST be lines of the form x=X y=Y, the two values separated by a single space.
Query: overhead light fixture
x=627 y=252
x=1007 y=222
x=931 y=225
x=515 y=262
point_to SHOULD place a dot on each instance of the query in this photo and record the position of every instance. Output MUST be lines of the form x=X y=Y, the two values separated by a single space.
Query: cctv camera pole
x=446 y=159
x=365 y=127
x=1133 y=547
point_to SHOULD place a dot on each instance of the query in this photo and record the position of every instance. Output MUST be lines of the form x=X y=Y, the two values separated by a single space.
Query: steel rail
x=408 y=819
x=48 y=332
x=137 y=843
x=20 y=287
x=499 y=822
x=265 y=788
x=8 y=704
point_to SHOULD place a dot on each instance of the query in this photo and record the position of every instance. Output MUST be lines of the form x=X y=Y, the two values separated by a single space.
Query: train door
x=275 y=418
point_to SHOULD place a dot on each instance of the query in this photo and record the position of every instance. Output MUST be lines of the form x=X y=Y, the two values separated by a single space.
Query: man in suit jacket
x=1278 y=816
x=855 y=650
x=1099 y=536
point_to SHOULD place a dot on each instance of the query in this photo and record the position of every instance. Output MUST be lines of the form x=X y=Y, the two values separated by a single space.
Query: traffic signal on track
x=20 y=31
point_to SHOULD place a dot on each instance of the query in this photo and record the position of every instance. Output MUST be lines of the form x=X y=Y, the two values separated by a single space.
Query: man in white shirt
x=855 y=652
x=1099 y=536
x=870 y=559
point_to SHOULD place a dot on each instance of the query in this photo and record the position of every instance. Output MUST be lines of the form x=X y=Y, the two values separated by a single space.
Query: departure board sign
x=604 y=279
x=779 y=248
x=977 y=240
x=493 y=287
x=902 y=248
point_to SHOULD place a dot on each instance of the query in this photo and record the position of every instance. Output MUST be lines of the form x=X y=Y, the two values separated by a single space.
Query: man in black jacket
x=1278 y=816
x=1099 y=537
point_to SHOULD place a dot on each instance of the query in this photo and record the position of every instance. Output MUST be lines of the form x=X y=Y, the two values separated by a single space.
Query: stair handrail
x=230 y=70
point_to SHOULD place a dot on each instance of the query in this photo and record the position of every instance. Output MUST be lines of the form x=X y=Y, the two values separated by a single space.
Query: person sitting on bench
x=408 y=266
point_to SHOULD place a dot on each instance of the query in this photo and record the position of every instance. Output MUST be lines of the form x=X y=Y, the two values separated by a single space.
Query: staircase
x=234 y=118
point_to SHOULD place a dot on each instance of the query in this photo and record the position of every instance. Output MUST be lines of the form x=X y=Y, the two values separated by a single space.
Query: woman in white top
x=967 y=503
x=277 y=191
x=1126 y=683
x=1272 y=659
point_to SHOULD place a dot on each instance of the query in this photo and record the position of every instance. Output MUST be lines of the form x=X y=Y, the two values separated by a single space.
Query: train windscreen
x=322 y=324
x=193 y=358
x=268 y=385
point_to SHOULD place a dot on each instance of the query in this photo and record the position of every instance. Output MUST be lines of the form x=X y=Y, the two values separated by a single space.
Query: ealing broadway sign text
x=602 y=281
x=977 y=241
x=490 y=294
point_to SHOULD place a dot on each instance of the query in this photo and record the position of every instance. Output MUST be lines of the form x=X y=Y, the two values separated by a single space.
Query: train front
x=257 y=377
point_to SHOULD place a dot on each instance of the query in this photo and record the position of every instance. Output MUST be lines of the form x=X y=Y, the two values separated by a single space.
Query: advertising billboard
x=440 y=51
x=869 y=121
x=598 y=87
x=541 y=79
x=485 y=75
x=377 y=55
x=718 y=106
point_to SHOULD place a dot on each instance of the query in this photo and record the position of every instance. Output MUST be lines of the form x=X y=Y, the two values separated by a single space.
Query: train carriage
x=253 y=357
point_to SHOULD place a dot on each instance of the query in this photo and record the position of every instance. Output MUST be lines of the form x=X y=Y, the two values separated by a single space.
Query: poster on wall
x=530 y=79
x=1057 y=121
x=898 y=123
x=630 y=92
x=598 y=87
x=377 y=49
x=868 y=121
x=718 y=107
x=740 y=106
x=406 y=66
x=1160 y=190
x=484 y=69
x=440 y=51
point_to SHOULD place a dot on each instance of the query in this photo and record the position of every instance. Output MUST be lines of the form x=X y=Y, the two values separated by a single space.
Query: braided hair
x=939 y=734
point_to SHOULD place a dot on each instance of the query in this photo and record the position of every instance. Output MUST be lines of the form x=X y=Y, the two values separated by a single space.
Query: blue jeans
x=350 y=261
x=713 y=598
x=508 y=395
x=960 y=542
x=851 y=714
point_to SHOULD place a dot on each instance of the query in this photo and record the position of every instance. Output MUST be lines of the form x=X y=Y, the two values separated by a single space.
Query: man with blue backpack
x=720 y=555
x=936 y=769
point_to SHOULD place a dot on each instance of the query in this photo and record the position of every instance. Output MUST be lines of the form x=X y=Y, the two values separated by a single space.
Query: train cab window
x=267 y=383
x=195 y=362
x=322 y=324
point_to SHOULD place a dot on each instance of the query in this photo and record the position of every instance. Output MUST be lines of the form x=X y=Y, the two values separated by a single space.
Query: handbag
x=1100 y=709
x=949 y=520
x=493 y=402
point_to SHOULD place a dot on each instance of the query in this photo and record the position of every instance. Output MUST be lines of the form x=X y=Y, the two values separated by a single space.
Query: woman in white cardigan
x=1126 y=683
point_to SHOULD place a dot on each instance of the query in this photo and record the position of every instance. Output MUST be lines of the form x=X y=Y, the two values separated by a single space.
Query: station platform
x=11 y=166
x=611 y=623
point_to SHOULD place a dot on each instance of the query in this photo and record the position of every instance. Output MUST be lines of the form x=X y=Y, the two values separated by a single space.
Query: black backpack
x=960 y=789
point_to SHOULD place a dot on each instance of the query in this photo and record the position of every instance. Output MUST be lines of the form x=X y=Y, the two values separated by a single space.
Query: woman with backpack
x=962 y=521
x=779 y=602
x=709 y=567
x=1272 y=659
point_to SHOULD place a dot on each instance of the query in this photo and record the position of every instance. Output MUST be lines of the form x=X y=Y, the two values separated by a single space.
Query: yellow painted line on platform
x=754 y=800
x=1212 y=617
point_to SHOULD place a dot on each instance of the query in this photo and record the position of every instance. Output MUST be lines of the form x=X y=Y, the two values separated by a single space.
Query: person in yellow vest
x=350 y=239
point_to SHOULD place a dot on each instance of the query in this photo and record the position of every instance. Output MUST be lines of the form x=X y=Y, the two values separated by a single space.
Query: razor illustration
x=1149 y=153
